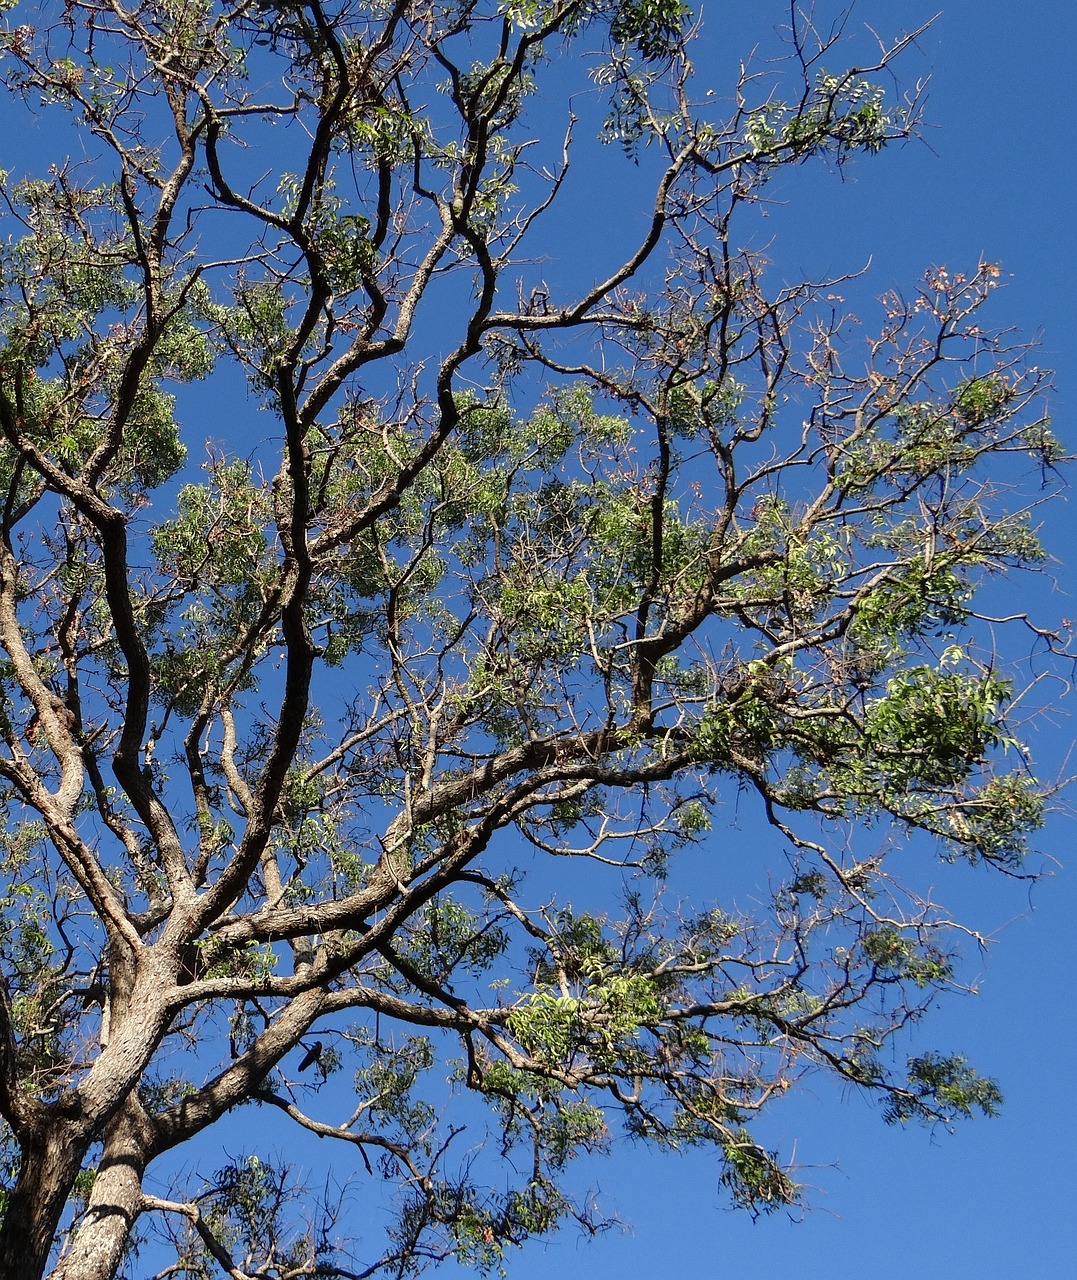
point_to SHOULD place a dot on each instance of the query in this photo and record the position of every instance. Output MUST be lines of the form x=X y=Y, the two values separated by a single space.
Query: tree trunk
x=97 y=1244
x=50 y=1164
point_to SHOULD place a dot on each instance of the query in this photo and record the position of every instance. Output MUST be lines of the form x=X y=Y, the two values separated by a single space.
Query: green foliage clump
x=943 y=1087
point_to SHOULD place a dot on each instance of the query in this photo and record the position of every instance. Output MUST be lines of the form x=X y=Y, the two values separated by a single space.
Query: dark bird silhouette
x=313 y=1054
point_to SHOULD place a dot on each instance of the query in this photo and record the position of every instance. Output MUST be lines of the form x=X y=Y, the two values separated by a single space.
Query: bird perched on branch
x=313 y=1054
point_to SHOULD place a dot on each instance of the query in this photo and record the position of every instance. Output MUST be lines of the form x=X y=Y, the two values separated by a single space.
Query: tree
x=495 y=584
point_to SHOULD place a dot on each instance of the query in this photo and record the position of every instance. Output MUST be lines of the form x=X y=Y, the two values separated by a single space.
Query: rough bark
x=98 y=1242
x=46 y=1178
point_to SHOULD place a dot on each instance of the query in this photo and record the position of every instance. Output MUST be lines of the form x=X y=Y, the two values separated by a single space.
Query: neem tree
x=485 y=573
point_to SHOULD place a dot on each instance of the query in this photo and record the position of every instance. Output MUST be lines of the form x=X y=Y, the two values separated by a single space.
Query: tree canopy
x=360 y=704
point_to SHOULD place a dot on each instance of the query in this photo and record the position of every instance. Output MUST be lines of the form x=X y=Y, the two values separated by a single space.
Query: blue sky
x=995 y=178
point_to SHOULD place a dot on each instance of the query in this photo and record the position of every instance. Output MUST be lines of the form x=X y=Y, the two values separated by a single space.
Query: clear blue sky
x=996 y=179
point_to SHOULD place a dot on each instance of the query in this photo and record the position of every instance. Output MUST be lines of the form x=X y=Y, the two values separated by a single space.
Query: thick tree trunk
x=47 y=1175
x=97 y=1244
x=60 y=1134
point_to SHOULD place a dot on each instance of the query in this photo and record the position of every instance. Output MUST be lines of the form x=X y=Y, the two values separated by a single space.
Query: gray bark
x=97 y=1244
